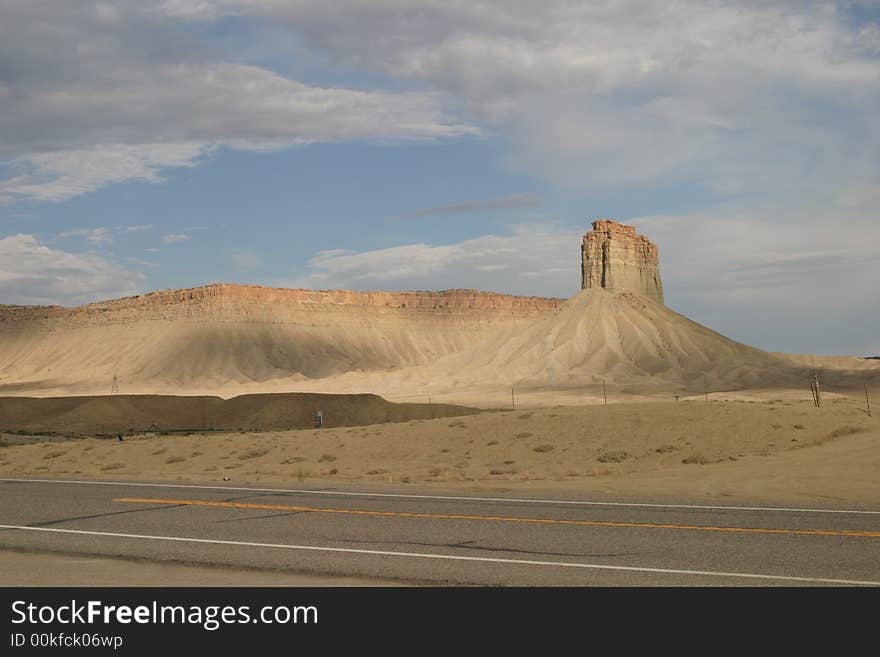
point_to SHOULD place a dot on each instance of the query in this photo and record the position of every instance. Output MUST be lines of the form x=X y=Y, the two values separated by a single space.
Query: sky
x=437 y=144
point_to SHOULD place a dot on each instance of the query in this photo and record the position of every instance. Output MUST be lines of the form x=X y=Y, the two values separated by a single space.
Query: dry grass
x=253 y=454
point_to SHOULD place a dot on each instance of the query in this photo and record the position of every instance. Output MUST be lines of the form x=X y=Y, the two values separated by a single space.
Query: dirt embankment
x=112 y=414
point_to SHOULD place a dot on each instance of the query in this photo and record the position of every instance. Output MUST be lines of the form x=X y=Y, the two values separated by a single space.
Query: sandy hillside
x=231 y=339
x=461 y=347
x=774 y=450
x=641 y=348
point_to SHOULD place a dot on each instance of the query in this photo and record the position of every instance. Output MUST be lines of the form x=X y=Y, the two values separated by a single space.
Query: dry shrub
x=544 y=447
x=845 y=431
x=614 y=456
x=253 y=454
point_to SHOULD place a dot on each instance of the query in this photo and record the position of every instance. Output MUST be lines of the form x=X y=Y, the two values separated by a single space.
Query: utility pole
x=512 y=399
x=867 y=400
x=814 y=386
x=706 y=386
x=604 y=391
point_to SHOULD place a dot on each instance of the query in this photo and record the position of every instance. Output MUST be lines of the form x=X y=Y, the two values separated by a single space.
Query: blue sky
x=429 y=145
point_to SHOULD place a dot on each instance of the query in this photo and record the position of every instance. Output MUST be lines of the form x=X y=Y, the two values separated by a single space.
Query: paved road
x=435 y=540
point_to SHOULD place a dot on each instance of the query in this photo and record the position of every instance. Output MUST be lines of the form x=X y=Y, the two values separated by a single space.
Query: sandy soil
x=777 y=449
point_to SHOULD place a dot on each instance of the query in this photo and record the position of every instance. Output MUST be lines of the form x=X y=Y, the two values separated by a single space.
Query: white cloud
x=733 y=97
x=491 y=263
x=97 y=236
x=102 y=234
x=33 y=273
x=123 y=99
x=61 y=175
x=175 y=237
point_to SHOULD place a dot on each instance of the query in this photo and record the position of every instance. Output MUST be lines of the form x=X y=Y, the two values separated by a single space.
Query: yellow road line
x=546 y=521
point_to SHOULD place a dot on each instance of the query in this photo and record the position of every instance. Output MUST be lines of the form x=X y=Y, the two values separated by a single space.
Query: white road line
x=449 y=497
x=450 y=557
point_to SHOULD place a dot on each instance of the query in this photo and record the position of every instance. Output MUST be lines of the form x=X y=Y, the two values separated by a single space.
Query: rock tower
x=616 y=258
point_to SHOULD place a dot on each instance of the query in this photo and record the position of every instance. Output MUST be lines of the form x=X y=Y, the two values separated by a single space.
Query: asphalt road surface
x=430 y=539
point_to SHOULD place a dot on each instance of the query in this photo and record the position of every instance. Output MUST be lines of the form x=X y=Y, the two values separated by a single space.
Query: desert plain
x=765 y=447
